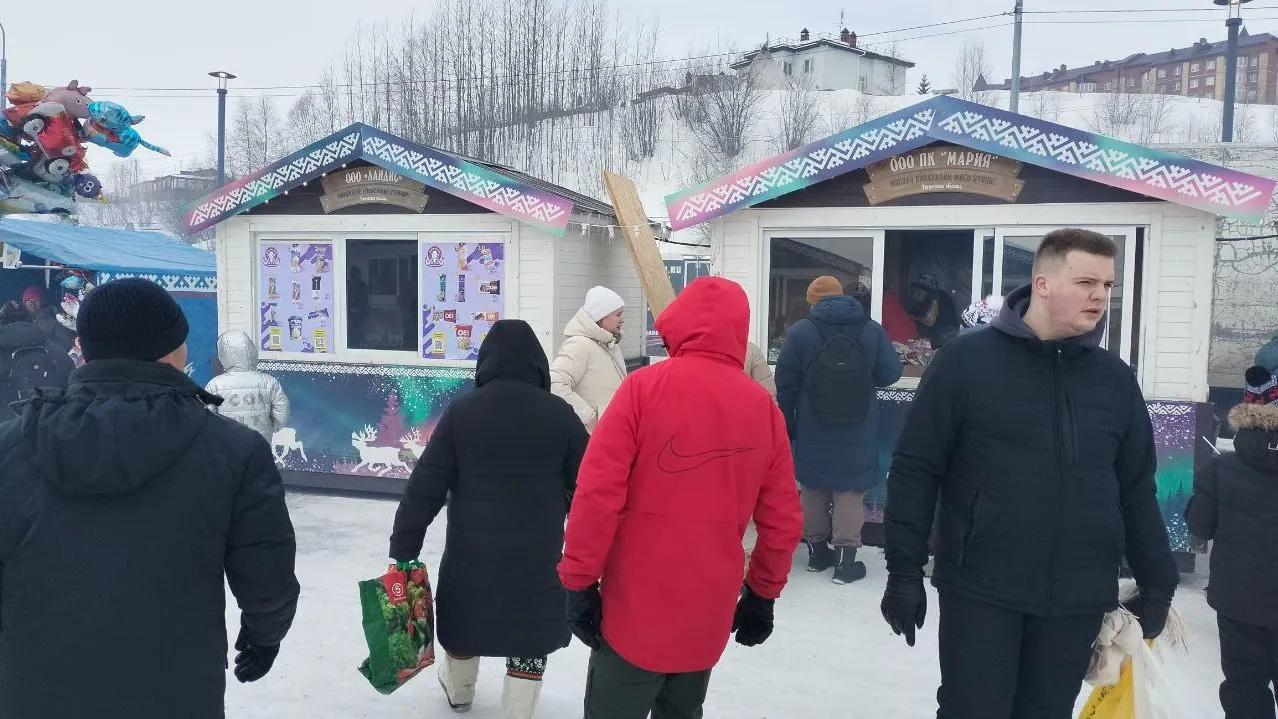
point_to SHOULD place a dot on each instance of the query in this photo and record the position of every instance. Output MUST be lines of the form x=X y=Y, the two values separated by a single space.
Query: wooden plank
x=640 y=242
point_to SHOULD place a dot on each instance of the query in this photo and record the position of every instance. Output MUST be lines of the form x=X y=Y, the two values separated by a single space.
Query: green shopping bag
x=399 y=625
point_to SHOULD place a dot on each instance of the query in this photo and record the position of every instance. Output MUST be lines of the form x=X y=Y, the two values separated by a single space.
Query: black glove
x=904 y=605
x=585 y=615
x=752 y=621
x=1151 y=607
x=253 y=661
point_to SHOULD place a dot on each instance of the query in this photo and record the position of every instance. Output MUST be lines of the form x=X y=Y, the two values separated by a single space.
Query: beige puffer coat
x=588 y=369
x=756 y=365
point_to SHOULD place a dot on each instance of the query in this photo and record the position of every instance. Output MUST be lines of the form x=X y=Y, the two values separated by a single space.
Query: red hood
x=710 y=316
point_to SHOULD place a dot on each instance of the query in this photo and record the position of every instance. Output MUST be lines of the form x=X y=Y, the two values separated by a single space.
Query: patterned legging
x=520 y=667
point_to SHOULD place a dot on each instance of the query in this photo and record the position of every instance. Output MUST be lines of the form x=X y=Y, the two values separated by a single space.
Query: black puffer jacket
x=124 y=504
x=1043 y=457
x=508 y=453
x=1235 y=503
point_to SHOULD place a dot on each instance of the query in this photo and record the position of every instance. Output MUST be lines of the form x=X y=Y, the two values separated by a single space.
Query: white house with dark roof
x=829 y=63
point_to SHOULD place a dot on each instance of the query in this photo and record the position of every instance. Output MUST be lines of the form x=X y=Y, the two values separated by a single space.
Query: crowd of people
x=622 y=505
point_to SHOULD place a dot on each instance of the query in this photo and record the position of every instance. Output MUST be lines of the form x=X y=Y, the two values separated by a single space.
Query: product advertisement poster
x=461 y=286
x=296 y=291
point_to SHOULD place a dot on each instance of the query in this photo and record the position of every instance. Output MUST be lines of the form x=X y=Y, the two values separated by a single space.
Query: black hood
x=511 y=351
x=1011 y=321
x=1256 y=438
x=118 y=425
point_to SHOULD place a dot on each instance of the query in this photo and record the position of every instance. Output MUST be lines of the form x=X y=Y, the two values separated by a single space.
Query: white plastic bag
x=1157 y=697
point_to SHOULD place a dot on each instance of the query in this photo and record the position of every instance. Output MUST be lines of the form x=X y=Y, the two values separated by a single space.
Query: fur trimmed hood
x=1263 y=417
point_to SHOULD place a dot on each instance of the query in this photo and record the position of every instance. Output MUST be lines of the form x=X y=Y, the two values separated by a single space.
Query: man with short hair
x=1040 y=447
x=125 y=508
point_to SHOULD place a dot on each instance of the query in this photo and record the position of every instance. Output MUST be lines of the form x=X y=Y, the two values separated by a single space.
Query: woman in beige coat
x=589 y=367
x=756 y=365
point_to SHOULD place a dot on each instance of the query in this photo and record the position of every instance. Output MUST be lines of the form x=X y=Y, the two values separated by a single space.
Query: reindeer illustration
x=286 y=439
x=369 y=457
x=412 y=442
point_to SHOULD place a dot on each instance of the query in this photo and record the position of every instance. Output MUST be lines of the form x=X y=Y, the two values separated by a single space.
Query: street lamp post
x=1233 y=22
x=4 y=66
x=222 y=78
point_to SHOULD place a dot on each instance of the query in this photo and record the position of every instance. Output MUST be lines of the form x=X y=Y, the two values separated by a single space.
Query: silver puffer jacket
x=254 y=399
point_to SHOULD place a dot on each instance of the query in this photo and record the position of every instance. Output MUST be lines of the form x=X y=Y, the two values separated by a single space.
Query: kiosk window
x=381 y=294
x=796 y=262
x=927 y=283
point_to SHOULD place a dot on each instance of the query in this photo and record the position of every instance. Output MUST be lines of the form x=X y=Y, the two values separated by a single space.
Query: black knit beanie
x=130 y=318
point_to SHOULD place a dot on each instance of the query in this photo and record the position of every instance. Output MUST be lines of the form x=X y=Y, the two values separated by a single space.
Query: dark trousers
x=1249 y=658
x=1001 y=664
x=617 y=689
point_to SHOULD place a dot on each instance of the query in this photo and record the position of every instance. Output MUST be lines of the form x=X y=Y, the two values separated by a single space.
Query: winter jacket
x=756 y=365
x=254 y=399
x=1235 y=502
x=124 y=507
x=47 y=320
x=588 y=369
x=690 y=450
x=508 y=453
x=1043 y=457
x=833 y=457
x=21 y=335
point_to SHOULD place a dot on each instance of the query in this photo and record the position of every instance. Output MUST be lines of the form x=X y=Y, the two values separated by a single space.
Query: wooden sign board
x=944 y=168
x=371 y=185
x=640 y=241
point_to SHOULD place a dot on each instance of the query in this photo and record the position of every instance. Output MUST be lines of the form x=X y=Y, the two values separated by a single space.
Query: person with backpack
x=29 y=360
x=831 y=365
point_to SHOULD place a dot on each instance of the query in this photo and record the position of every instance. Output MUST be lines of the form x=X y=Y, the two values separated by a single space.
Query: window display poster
x=461 y=296
x=296 y=291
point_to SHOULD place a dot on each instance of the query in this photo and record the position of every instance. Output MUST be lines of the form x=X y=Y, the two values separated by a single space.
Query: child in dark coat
x=1235 y=503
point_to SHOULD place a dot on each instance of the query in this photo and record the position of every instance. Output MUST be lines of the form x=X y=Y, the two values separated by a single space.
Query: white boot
x=519 y=697
x=458 y=677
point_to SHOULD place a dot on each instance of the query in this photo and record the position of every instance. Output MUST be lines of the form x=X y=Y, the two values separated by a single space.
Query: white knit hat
x=601 y=302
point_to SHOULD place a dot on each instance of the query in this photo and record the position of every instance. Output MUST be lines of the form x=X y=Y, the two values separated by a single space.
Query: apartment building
x=1194 y=71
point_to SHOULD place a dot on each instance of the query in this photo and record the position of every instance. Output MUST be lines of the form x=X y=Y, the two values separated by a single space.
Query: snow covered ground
x=830 y=657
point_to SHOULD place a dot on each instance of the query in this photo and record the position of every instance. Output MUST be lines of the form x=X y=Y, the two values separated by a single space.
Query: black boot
x=846 y=568
x=820 y=556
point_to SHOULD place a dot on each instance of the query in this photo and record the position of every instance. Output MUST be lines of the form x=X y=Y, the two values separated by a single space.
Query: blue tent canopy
x=106 y=250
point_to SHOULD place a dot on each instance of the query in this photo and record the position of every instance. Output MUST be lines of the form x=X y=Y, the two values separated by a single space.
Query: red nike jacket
x=689 y=450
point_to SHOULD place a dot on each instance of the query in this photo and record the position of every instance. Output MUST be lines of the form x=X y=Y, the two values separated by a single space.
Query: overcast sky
x=150 y=44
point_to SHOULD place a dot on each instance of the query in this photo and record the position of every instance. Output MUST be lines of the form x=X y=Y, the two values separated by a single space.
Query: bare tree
x=972 y=73
x=1245 y=129
x=895 y=76
x=256 y=138
x=799 y=112
x=726 y=113
x=1137 y=117
x=843 y=116
x=1045 y=105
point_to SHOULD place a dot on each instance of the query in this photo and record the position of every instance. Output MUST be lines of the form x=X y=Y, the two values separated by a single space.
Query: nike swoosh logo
x=672 y=462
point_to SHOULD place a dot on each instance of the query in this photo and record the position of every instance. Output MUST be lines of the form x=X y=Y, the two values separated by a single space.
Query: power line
x=588 y=69
x=1136 y=10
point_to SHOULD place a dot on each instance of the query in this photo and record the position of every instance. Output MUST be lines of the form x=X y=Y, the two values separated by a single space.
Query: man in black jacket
x=1040 y=447
x=124 y=504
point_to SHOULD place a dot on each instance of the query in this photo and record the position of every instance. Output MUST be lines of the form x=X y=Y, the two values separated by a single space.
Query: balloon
x=111 y=126
x=42 y=134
